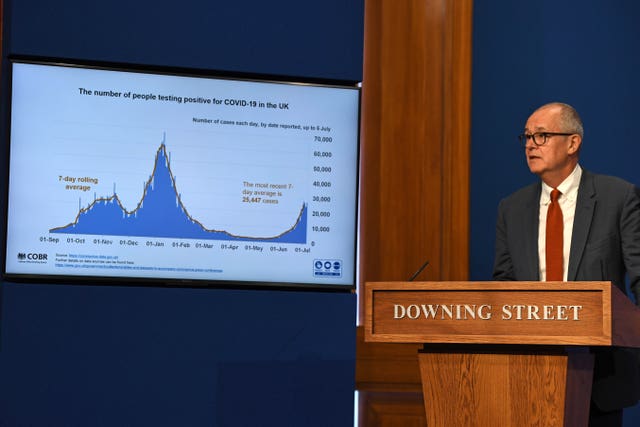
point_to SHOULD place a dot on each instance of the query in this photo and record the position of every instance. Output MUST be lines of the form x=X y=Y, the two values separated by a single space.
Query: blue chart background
x=102 y=356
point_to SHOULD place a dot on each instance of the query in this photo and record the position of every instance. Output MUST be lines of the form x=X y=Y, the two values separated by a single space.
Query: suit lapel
x=585 y=206
x=530 y=216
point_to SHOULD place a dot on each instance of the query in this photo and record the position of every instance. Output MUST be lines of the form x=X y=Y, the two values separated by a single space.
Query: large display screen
x=129 y=174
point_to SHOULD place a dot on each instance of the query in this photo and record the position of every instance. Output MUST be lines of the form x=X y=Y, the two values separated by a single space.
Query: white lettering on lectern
x=483 y=312
x=533 y=312
x=444 y=312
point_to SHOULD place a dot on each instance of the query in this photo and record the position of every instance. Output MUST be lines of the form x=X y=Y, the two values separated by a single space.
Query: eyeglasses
x=539 y=138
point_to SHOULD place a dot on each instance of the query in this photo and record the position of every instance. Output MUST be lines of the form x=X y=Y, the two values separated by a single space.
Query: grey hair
x=569 y=118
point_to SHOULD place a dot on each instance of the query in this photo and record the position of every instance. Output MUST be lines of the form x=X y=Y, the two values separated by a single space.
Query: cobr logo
x=32 y=256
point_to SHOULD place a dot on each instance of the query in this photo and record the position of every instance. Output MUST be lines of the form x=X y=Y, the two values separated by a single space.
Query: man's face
x=557 y=156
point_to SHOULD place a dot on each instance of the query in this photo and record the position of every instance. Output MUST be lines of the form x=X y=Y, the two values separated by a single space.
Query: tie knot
x=555 y=195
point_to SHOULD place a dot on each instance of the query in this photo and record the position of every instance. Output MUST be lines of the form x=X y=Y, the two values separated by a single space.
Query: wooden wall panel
x=415 y=139
x=391 y=409
x=414 y=175
x=401 y=134
x=456 y=141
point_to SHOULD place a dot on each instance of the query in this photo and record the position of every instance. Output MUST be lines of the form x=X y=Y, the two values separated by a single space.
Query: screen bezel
x=88 y=279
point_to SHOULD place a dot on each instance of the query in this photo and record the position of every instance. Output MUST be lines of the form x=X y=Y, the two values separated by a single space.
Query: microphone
x=419 y=271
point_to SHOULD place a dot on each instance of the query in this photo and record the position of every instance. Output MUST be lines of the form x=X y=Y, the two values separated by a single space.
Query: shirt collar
x=568 y=187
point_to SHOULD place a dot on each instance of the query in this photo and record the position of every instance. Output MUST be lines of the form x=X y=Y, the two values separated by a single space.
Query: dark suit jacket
x=605 y=244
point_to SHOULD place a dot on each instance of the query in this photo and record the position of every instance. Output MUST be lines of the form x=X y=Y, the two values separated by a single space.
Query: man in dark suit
x=596 y=236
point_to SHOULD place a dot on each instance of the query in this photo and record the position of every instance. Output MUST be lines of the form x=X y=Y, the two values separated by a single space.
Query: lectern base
x=506 y=385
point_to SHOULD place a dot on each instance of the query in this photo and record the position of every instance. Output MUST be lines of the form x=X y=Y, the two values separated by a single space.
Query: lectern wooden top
x=549 y=313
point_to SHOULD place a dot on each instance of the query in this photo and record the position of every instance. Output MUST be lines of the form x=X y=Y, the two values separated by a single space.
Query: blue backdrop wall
x=525 y=54
x=78 y=355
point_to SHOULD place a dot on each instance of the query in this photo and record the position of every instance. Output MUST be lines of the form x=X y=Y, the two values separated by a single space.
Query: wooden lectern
x=503 y=353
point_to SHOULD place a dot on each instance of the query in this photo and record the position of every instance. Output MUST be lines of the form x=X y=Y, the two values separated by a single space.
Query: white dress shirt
x=567 y=202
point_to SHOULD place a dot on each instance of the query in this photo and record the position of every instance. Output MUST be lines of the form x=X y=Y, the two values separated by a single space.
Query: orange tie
x=554 y=239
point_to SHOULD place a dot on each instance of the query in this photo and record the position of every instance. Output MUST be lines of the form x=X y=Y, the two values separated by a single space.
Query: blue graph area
x=160 y=213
